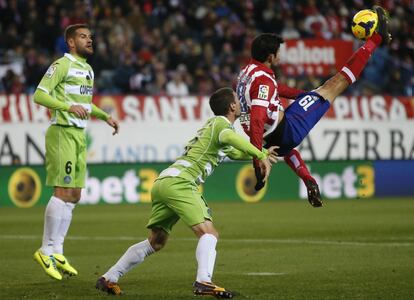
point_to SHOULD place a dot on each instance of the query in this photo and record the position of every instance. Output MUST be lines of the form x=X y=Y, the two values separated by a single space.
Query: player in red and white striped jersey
x=266 y=121
x=259 y=94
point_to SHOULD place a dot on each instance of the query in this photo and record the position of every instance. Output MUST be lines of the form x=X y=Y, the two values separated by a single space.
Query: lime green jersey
x=207 y=150
x=69 y=80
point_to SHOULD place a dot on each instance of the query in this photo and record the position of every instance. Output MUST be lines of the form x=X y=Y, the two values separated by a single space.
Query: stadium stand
x=183 y=46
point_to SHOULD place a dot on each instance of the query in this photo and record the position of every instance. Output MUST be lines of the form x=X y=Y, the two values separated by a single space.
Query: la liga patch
x=50 y=71
x=263 y=92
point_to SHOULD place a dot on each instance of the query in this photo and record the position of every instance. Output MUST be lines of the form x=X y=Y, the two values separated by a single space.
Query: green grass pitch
x=360 y=249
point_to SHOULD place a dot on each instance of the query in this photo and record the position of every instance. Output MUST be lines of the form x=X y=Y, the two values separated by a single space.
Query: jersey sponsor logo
x=79 y=73
x=82 y=90
x=50 y=71
x=86 y=90
x=263 y=92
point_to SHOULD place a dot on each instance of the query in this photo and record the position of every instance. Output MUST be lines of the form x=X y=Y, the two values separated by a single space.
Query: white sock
x=206 y=257
x=53 y=217
x=63 y=228
x=135 y=255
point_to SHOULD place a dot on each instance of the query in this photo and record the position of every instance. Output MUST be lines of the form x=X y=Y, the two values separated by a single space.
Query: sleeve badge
x=263 y=92
x=50 y=71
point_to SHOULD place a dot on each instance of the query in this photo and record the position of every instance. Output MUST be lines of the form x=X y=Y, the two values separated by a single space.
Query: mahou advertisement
x=155 y=129
x=314 y=57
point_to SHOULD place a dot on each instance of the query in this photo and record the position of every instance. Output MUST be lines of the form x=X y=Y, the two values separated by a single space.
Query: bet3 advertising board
x=24 y=186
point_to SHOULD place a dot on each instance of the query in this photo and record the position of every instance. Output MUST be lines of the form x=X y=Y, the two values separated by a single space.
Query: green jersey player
x=66 y=89
x=175 y=195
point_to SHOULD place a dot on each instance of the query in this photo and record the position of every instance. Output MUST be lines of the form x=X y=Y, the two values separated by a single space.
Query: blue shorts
x=300 y=117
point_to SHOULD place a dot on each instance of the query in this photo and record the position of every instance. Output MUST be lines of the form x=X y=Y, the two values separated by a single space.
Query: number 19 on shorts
x=306 y=102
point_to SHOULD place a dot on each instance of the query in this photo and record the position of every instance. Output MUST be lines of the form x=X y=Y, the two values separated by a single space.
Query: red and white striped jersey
x=258 y=94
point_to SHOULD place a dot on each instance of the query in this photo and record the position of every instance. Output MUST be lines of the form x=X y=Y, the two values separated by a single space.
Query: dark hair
x=265 y=44
x=220 y=101
x=70 y=31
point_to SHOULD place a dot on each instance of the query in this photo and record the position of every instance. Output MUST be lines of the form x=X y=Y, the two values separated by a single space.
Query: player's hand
x=272 y=154
x=79 y=111
x=265 y=167
x=114 y=124
x=262 y=172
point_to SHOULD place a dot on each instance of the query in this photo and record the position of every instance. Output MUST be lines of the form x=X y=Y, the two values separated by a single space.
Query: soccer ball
x=364 y=24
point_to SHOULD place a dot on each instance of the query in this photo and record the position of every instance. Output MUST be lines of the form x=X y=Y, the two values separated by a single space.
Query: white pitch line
x=269 y=241
x=264 y=274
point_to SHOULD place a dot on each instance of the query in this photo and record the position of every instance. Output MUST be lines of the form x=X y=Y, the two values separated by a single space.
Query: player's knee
x=157 y=246
x=205 y=228
x=158 y=238
x=215 y=233
x=212 y=230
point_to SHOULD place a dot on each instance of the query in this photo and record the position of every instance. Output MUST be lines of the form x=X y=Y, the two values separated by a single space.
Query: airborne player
x=266 y=121
x=259 y=95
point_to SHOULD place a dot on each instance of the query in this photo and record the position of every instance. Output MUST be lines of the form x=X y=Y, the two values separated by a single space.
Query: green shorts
x=65 y=156
x=174 y=198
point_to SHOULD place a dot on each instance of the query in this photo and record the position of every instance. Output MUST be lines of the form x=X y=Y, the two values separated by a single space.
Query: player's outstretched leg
x=383 y=24
x=314 y=196
x=48 y=264
x=209 y=288
x=108 y=287
x=296 y=163
x=63 y=265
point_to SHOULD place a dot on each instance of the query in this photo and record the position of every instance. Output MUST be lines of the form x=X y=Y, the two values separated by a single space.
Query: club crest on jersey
x=263 y=92
x=67 y=179
x=50 y=71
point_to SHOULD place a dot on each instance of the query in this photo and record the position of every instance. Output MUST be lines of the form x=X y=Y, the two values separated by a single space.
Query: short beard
x=84 y=53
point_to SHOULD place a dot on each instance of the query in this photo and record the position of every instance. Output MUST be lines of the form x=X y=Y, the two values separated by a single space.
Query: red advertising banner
x=136 y=108
x=314 y=57
x=21 y=108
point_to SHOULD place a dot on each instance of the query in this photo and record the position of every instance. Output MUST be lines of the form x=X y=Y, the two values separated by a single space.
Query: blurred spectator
x=35 y=67
x=176 y=86
x=123 y=73
x=140 y=43
x=12 y=83
x=289 y=32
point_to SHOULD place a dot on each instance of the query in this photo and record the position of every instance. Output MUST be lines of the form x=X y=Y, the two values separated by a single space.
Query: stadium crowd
x=180 y=47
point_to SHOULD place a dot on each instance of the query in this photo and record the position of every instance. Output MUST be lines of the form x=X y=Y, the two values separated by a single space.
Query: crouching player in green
x=66 y=89
x=175 y=196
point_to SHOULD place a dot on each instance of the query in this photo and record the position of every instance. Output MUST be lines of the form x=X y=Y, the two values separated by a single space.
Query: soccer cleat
x=111 y=288
x=63 y=265
x=209 y=288
x=48 y=264
x=314 y=196
x=383 y=24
